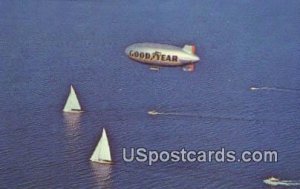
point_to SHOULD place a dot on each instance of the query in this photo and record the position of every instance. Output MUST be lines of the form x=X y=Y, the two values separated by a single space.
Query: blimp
x=162 y=55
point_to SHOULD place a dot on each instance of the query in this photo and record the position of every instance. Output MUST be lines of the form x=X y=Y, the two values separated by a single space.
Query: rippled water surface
x=46 y=45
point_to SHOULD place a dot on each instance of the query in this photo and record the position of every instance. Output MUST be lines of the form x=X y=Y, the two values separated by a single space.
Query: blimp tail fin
x=189 y=68
x=189 y=49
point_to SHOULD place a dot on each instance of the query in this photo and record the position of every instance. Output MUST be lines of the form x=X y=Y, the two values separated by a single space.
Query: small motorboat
x=253 y=88
x=272 y=181
x=154 y=68
x=153 y=112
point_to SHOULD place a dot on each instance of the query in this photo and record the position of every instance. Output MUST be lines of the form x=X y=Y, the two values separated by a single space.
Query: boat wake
x=290 y=183
x=186 y=114
x=154 y=112
x=274 y=89
x=277 y=182
x=287 y=183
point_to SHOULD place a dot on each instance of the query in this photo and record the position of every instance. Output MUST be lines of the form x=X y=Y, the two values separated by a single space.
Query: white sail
x=101 y=153
x=72 y=104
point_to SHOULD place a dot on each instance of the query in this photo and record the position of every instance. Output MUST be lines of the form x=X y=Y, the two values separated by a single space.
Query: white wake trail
x=156 y=113
x=153 y=112
x=277 y=182
x=289 y=183
x=274 y=89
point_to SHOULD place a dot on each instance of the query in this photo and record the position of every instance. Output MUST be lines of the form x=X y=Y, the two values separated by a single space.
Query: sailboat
x=101 y=153
x=72 y=104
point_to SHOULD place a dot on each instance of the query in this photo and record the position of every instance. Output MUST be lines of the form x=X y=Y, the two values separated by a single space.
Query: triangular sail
x=72 y=104
x=191 y=49
x=102 y=151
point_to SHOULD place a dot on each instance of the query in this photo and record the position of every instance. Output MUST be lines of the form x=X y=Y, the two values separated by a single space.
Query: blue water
x=46 y=45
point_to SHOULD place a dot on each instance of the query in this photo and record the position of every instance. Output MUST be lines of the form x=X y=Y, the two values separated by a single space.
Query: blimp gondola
x=163 y=55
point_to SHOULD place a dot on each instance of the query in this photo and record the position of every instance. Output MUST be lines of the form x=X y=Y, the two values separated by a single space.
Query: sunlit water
x=46 y=45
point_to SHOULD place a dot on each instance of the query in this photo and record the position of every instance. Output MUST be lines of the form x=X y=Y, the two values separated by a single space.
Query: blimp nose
x=127 y=50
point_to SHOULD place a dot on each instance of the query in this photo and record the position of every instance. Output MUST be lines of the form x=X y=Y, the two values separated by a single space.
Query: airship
x=162 y=55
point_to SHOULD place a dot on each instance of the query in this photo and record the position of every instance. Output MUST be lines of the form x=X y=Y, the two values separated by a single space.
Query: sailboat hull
x=73 y=111
x=102 y=161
